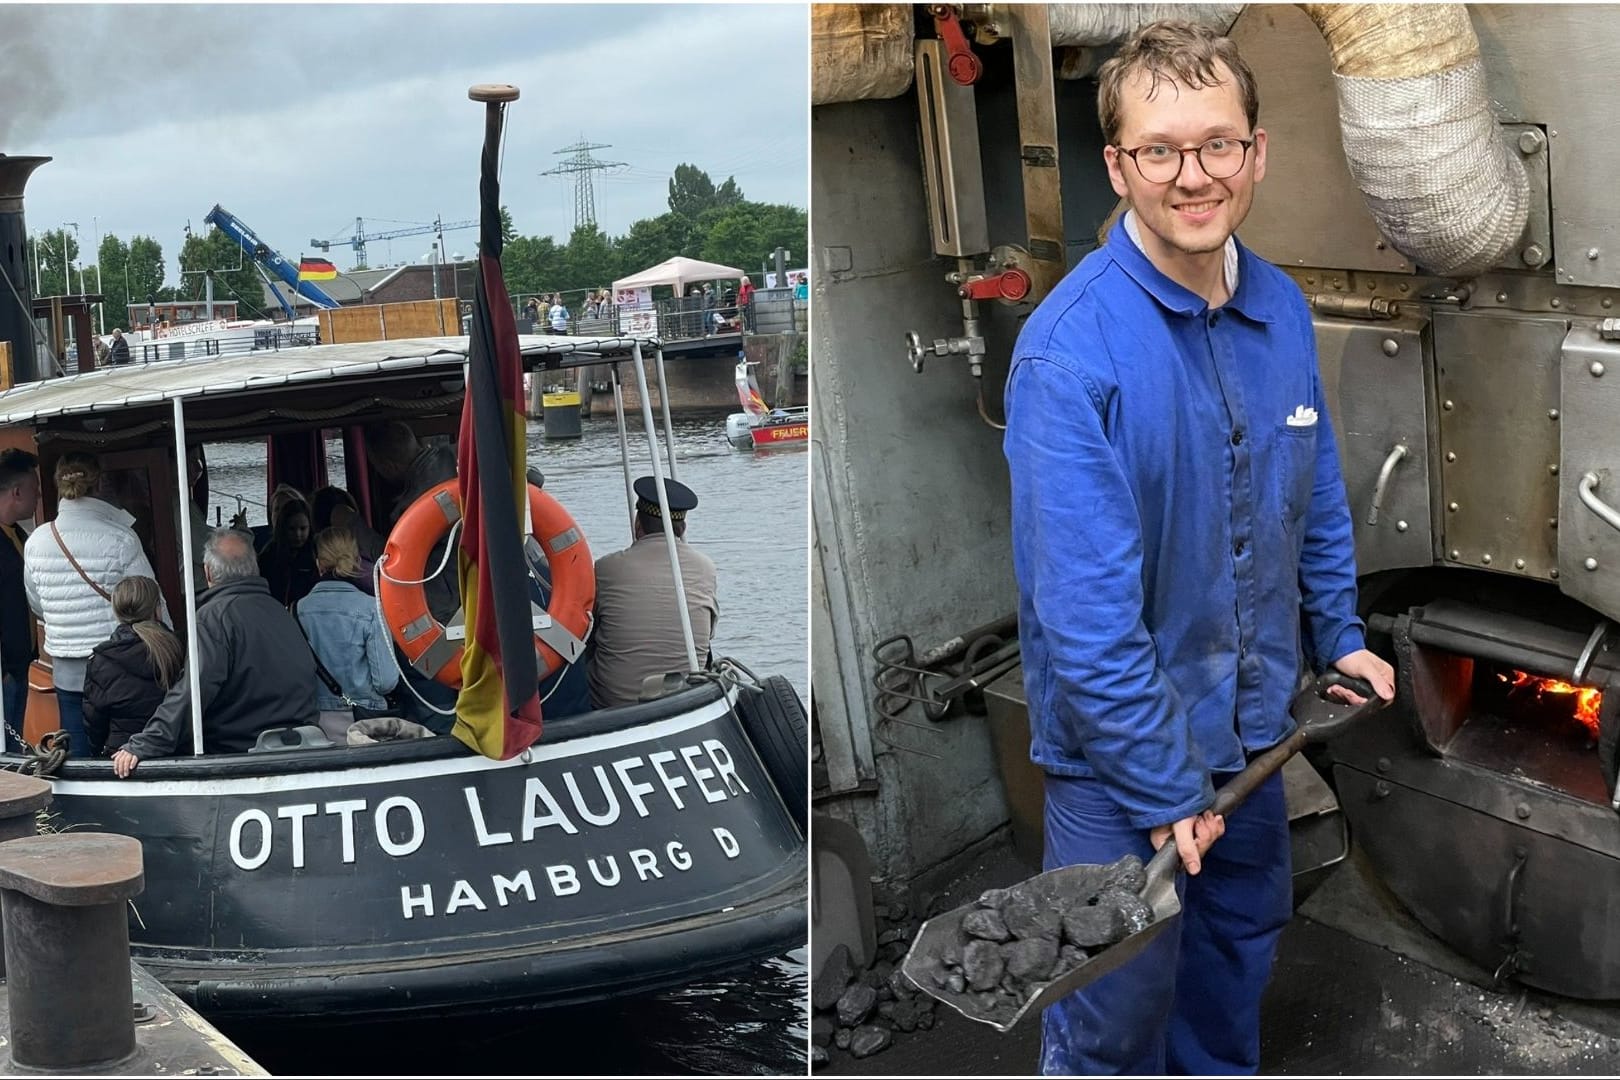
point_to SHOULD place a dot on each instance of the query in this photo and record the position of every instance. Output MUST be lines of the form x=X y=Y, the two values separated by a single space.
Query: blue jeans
x=1190 y=1003
x=70 y=709
x=14 y=703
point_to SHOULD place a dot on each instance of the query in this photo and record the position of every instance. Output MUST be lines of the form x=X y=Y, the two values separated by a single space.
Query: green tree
x=51 y=252
x=234 y=275
x=652 y=240
x=508 y=230
x=114 y=255
x=145 y=272
x=532 y=264
x=748 y=233
x=691 y=192
x=589 y=261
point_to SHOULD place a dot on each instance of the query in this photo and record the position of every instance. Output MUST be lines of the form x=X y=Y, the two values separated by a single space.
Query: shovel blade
x=943 y=931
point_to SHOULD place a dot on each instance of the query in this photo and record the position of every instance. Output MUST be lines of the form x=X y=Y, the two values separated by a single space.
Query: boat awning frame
x=114 y=389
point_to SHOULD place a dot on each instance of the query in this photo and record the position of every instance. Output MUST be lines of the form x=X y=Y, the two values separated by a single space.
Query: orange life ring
x=422 y=638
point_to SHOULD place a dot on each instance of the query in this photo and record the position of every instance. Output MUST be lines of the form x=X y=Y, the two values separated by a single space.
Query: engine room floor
x=1359 y=988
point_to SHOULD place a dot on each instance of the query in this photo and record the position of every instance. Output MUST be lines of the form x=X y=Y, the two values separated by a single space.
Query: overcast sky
x=298 y=119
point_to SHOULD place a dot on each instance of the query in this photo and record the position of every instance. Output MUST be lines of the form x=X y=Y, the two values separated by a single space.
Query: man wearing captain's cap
x=638 y=629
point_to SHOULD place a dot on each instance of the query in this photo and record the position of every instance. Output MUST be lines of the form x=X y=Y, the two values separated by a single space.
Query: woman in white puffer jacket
x=75 y=602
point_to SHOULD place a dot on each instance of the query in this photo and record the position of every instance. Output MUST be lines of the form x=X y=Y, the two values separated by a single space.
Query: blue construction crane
x=358 y=240
x=267 y=258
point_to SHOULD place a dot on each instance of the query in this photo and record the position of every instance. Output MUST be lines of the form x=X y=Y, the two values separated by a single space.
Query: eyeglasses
x=1220 y=158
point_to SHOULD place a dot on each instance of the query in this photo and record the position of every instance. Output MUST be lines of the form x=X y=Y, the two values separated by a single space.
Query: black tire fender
x=773 y=719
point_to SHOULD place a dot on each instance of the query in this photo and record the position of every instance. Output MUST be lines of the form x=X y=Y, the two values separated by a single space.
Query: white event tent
x=677 y=272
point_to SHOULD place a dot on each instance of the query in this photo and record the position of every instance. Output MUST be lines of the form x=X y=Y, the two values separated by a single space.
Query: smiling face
x=1194 y=214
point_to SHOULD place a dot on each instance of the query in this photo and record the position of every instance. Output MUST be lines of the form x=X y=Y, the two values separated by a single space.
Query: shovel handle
x=1311 y=729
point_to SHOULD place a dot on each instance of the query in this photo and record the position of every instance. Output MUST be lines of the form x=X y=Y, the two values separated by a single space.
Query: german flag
x=498 y=709
x=316 y=270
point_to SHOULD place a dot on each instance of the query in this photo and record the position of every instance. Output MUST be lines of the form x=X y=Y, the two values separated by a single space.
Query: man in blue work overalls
x=1180 y=533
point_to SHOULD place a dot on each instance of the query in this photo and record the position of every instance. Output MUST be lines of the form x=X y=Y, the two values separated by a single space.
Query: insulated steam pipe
x=1418 y=133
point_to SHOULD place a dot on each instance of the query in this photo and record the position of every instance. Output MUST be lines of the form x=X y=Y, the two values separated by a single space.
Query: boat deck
x=1358 y=988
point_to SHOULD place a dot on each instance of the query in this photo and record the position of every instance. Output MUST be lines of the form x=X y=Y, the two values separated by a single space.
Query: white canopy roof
x=112 y=388
x=677 y=272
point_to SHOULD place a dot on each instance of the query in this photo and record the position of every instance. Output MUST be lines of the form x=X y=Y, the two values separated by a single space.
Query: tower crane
x=360 y=237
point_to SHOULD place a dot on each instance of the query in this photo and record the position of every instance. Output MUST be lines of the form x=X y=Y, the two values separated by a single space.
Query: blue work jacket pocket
x=1296 y=471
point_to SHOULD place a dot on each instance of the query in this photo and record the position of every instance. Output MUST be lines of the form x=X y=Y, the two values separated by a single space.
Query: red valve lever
x=963 y=66
x=1012 y=284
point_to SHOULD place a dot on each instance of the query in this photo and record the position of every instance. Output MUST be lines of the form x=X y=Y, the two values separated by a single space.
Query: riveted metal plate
x=1497 y=380
x=1378 y=397
x=1590 y=418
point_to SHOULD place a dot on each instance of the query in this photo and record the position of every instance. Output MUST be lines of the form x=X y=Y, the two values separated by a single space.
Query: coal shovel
x=1318 y=717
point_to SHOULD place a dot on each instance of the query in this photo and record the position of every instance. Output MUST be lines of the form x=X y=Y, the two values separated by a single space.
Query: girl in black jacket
x=130 y=672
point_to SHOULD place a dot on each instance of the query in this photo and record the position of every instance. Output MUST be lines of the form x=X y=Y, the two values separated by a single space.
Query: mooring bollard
x=62 y=900
x=21 y=797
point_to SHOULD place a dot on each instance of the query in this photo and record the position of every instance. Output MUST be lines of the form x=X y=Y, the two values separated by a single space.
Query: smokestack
x=17 y=298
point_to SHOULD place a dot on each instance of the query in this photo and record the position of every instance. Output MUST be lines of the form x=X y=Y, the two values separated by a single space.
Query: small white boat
x=759 y=426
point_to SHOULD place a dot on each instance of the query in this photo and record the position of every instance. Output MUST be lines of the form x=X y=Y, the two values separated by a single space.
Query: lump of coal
x=868 y=1040
x=1094 y=925
x=993 y=898
x=1135 y=911
x=856 y=1004
x=841 y=1038
x=957 y=983
x=925 y=1021
x=818 y=1057
x=901 y=986
x=982 y=964
x=1027 y=917
x=1070 y=957
x=1126 y=873
x=1031 y=959
x=986 y=924
x=905 y=1015
x=821 y=1030
x=836 y=972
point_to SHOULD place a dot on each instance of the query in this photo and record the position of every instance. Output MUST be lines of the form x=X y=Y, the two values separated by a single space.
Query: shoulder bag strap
x=327 y=677
x=103 y=593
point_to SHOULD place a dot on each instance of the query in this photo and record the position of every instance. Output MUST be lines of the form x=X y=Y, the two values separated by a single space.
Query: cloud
x=298 y=118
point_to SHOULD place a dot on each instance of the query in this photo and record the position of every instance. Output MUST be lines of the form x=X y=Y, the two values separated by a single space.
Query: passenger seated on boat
x=264 y=535
x=130 y=672
x=70 y=566
x=638 y=630
x=332 y=506
x=254 y=669
x=348 y=639
x=288 y=563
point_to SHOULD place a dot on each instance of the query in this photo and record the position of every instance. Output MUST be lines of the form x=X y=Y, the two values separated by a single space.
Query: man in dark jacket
x=19 y=495
x=255 y=668
x=120 y=349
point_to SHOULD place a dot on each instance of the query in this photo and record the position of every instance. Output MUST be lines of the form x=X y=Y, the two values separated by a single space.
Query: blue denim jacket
x=342 y=625
x=1179 y=526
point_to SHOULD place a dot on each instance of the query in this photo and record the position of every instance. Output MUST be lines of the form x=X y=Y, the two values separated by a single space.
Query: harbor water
x=752 y=519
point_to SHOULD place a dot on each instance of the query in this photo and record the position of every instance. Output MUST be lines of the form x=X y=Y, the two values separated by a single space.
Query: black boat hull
x=630 y=850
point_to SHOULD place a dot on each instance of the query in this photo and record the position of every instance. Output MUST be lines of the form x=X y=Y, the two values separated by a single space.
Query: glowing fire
x=1587 y=700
